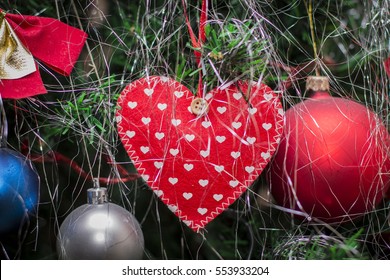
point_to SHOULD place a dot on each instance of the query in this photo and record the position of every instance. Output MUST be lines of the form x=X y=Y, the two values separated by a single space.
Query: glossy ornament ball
x=333 y=159
x=19 y=190
x=100 y=231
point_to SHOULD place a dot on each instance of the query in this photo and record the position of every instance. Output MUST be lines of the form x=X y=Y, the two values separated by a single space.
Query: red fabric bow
x=52 y=42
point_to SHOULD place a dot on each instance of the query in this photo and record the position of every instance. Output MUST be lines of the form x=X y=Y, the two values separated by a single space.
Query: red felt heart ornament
x=198 y=165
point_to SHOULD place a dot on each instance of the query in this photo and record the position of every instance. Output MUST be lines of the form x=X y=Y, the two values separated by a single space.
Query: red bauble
x=333 y=159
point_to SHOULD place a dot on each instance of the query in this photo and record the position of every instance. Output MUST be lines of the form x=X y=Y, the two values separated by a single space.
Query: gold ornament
x=15 y=60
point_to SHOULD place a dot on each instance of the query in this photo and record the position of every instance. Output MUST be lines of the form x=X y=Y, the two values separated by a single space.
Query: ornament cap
x=317 y=83
x=97 y=195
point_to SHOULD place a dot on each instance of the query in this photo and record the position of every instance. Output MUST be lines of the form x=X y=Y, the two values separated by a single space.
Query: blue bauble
x=19 y=190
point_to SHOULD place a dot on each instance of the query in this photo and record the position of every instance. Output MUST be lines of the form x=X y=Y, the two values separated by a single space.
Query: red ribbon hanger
x=197 y=43
x=50 y=41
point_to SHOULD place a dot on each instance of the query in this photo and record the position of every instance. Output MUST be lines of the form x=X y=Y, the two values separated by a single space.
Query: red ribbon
x=52 y=42
x=197 y=43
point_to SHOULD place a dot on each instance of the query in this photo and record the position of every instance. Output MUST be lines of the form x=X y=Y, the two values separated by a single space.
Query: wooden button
x=199 y=106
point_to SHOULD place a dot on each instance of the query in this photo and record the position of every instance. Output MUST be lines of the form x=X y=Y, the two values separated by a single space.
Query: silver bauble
x=100 y=230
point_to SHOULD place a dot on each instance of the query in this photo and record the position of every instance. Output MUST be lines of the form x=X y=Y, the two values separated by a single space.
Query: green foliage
x=321 y=247
x=234 y=50
x=348 y=249
x=92 y=109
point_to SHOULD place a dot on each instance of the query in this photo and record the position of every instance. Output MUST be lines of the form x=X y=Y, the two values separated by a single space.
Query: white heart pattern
x=198 y=165
x=176 y=122
x=173 y=181
x=251 y=140
x=237 y=95
x=206 y=124
x=146 y=178
x=205 y=153
x=249 y=169
x=132 y=105
x=162 y=106
x=266 y=155
x=130 y=134
x=236 y=125
x=172 y=207
x=221 y=110
x=145 y=120
x=174 y=152
x=144 y=149
x=203 y=183
x=235 y=155
x=220 y=139
x=252 y=111
x=219 y=168
x=267 y=126
x=189 y=137
x=148 y=91
x=268 y=96
x=188 y=166
x=233 y=183
x=179 y=94
x=187 y=195
x=159 y=135
x=202 y=211
x=158 y=192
